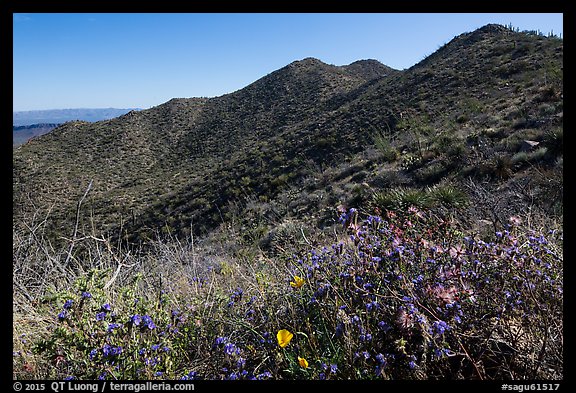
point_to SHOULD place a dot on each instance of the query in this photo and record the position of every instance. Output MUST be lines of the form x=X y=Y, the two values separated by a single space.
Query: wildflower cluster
x=96 y=342
x=405 y=296
x=408 y=296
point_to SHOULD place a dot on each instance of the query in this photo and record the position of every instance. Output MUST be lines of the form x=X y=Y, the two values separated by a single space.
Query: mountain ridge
x=190 y=160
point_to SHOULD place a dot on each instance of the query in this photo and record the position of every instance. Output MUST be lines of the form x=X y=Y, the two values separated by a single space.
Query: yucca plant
x=554 y=141
x=401 y=198
x=447 y=195
x=502 y=167
x=383 y=143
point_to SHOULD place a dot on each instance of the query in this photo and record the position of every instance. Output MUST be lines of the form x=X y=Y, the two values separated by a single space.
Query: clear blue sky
x=143 y=60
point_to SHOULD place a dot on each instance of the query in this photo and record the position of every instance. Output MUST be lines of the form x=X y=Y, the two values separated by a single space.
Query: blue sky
x=143 y=60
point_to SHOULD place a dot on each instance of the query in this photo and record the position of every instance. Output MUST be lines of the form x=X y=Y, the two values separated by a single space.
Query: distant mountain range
x=56 y=116
x=311 y=136
x=22 y=134
x=30 y=124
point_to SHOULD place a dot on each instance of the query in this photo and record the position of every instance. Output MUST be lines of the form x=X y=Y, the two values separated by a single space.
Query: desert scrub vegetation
x=407 y=294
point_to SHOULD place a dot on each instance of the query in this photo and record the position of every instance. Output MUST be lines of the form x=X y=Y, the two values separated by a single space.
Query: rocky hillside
x=482 y=116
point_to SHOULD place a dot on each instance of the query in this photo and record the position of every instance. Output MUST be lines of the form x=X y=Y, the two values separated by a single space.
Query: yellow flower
x=297 y=283
x=284 y=337
x=303 y=362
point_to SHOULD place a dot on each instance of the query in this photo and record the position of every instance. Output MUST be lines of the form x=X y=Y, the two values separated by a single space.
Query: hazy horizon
x=65 y=109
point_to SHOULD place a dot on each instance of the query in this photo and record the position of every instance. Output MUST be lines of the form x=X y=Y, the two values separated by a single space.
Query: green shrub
x=554 y=141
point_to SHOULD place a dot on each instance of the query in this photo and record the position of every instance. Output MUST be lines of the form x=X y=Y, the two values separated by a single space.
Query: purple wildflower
x=384 y=326
x=231 y=349
x=147 y=322
x=439 y=327
x=113 y=326
x=190 y=376
x=135 y=319
x=110 y=350
x=264 y=375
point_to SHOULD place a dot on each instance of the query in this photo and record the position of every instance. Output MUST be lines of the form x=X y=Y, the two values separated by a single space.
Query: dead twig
x=73 y=240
